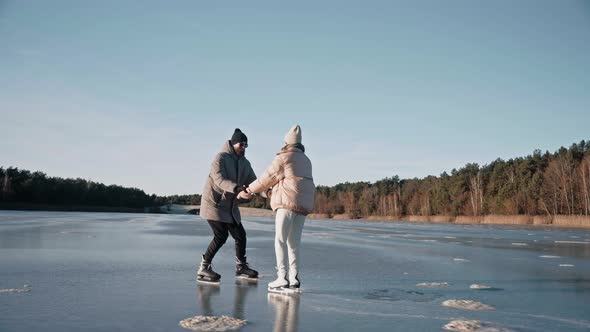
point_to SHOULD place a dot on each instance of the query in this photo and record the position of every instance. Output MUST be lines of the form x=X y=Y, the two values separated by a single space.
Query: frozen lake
x=131 y=272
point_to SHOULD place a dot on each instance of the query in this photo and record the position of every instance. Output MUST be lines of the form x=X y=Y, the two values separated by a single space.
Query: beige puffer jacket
x=290 y=176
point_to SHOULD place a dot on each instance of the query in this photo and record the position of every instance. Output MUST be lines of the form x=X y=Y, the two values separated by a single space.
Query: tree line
x=194 y=199
x=539 y=184
x=19 y=185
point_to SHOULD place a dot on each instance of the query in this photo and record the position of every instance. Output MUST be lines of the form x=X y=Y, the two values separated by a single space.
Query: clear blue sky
x=145 y=93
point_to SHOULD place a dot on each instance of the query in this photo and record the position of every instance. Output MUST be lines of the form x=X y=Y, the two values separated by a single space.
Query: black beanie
x=238 y=137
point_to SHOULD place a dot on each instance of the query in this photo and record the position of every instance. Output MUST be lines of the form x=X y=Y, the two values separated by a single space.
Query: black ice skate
x=243 y=271
x=206 y=274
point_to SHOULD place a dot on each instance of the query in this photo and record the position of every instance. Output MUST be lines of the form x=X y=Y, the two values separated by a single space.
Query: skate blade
x=243 y=277
x=284 y=291
x=208 y=282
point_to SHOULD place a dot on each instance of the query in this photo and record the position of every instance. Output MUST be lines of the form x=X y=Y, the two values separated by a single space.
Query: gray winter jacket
x=228 y=174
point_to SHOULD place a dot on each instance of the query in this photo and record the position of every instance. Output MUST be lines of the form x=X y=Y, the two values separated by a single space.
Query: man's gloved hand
x=244 y=195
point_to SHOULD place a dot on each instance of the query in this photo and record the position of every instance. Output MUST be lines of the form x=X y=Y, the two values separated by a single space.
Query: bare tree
x=566 y=177
x=584 y=173
x=425 y=210
x=349 y=202
x=476 y=194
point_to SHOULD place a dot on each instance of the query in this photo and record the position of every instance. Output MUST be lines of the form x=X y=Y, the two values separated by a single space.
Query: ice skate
x=281 y=285
x=294 y=282
x=206 y=275
x=243 y=271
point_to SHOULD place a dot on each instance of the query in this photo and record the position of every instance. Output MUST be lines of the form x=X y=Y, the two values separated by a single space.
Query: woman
x=291 y=197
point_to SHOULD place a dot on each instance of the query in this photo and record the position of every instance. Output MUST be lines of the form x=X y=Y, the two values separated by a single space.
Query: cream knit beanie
x=293 y=136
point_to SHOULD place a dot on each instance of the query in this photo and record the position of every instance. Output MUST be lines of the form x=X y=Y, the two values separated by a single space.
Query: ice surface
x=138 y=273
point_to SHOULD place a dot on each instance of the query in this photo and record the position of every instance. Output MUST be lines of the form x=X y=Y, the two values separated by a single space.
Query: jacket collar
x=290 y=149
x=228 y=148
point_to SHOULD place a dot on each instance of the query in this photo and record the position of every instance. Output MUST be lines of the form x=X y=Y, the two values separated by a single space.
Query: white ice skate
x=281 y=286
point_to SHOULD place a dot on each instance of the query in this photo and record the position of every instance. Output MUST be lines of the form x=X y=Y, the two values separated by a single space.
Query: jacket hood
x=229 y=148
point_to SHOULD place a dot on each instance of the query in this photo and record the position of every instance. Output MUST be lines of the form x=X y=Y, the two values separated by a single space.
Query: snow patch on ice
x=460 y=260
x=16 y=290
x=476 y=286
x=566 y=265
x=432 y=284
x=212 y=323
x=472 y=326
x=467 y=305
x=519 y=244
x=549 y=256
x=320 y=235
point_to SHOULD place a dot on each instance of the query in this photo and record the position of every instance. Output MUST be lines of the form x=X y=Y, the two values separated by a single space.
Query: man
x=230 y=173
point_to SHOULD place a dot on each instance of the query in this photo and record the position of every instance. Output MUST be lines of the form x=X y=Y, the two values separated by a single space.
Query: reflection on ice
x=207 y=292
x=286 y=309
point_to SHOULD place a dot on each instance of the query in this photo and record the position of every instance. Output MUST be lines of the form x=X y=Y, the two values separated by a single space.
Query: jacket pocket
x=212 y=196
x=217 y=198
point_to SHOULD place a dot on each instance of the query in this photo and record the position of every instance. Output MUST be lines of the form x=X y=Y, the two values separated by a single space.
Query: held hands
x=244 y=195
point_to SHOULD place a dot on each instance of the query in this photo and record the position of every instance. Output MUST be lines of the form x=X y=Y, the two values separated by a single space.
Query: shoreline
x=565 y=221
x=574 y=221
x=20 y=206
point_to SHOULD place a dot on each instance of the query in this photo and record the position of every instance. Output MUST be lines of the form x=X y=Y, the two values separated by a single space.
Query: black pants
x=220 y=234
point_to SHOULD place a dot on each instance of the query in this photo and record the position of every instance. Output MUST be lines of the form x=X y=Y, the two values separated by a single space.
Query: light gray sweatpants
x=289 y=226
